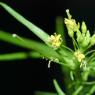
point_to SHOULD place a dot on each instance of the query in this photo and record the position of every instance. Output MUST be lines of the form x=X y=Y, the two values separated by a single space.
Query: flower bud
x=86 y=39
x=83 y=27
x=71 y=23
x=79 y=37
x=92 y=41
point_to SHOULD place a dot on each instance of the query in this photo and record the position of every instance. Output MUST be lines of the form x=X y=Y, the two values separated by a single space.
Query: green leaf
x=34 y=54
x=58 y=89
x=13 y=56
x=19 y=56
x=44 y=93
x=43 y=49
x=37 y=31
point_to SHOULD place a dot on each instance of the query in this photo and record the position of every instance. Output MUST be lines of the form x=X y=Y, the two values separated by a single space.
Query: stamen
x=55 y=40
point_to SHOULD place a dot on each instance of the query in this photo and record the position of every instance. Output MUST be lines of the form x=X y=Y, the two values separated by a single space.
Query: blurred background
x=27 y=76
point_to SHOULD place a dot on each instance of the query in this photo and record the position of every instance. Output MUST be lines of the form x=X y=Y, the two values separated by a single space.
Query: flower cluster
x=83 y=38
x=77 y=64
x=80 y=56
x=55 y=40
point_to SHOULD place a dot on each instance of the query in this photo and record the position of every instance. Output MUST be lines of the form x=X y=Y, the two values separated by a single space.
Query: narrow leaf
x=19 y=56
x=13 y=56
x=29 y=44
x=37 y=31
x=58 y=89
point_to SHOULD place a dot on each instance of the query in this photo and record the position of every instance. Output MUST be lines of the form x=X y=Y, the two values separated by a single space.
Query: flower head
x=55 y=40
x=71 y=24
x=80 y=56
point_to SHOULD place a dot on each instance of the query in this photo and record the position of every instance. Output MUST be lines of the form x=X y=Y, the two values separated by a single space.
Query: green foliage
x=58 y=89
x=39 y=32
x=77 y=64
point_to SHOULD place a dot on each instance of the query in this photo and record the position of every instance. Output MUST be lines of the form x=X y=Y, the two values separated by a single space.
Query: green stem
x=68 y=48
x=92 y=90
x=78 y=90
x=89 y=83
x=91 y=57
x=91 y=51
x=58 y=89
x=75 y=44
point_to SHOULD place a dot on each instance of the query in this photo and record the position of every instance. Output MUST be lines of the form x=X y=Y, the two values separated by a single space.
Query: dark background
x=26 y=76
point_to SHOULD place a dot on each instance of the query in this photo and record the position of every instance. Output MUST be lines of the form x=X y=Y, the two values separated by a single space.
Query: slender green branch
x=67 y=48
x=91 y=51
x=58 y=89
x=75 y=44
x=19 y=56
x=89 y=83
x=71 y=75
x=78 y=90
x=92 y=90
x=91 y=57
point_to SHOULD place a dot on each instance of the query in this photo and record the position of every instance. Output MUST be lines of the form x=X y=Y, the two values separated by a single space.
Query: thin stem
x=58 y=89
x=78 y=90
x=89 y=83
x=61 y=63
x=92 y=90
x=91 y=57
x=88 y=47
x=89 y=52
x=71 y=75
x=75 y=44
x=68 y=48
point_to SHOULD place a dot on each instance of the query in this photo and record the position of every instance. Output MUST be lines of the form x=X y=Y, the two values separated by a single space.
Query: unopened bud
x=83 y=27
x=86 y=39
x=92 y=41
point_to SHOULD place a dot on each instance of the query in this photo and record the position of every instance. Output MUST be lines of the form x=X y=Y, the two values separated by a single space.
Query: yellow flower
x=71 y=24
x=79 y=56
x=55 y=40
